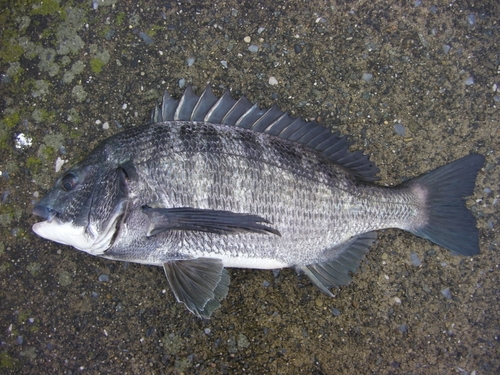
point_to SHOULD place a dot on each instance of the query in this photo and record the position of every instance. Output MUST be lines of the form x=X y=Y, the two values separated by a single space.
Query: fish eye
x=69 y=181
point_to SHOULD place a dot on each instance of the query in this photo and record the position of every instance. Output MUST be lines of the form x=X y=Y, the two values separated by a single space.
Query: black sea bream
x=214 y=182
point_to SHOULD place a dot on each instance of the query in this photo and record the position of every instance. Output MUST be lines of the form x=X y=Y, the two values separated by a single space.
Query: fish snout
x=44 y=212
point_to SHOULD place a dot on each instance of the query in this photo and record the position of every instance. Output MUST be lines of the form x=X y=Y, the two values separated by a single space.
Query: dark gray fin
x=337 y=271
x=211 y=221
x=273 y=121
x=200 y=283
x=449 y=223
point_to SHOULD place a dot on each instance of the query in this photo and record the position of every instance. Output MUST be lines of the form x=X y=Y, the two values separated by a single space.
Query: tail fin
x=449 y=223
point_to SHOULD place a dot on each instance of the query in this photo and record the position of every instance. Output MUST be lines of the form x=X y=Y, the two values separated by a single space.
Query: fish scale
x=214 y=183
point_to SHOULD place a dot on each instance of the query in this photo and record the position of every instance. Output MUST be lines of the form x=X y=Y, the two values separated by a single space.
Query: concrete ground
x=414 y=84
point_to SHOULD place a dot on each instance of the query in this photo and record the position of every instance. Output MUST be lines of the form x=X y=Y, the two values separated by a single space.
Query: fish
x=213 y=182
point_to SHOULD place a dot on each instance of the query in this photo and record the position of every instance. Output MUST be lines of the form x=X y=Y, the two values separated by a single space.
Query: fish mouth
x=45 y=212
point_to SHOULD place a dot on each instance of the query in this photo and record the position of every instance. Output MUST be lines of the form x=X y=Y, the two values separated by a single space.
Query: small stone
x=242 y=341
x=59 y=163
x=273 y=81
x=104 y=278
x=471 y=19
x=319 y=302
x=253 y=48
x=367 y=77
x=400 y=129
x=446 y=292
x=247 y=39
x=65 y=278
x=415 y=260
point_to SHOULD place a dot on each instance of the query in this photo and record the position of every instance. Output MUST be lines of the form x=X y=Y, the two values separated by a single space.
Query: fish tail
x=447 y=221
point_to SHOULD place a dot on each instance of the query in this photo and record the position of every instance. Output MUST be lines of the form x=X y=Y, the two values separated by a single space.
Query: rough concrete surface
x=416 y=84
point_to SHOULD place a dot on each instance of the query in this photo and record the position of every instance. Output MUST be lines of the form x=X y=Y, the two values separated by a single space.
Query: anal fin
x=337 y=271
x=199 y=283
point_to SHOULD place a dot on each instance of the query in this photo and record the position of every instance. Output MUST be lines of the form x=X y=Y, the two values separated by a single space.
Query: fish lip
x=44 y=212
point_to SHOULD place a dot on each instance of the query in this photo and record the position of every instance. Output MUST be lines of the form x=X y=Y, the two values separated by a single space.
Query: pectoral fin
x=199 y=283
x=213 y=221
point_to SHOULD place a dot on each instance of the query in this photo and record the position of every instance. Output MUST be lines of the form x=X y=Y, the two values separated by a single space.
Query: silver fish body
x=214 y=183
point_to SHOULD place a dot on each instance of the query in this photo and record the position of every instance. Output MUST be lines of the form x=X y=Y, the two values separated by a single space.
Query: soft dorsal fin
x=241 y=113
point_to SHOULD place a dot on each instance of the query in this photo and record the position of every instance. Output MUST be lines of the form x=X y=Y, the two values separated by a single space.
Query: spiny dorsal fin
x=241 y=113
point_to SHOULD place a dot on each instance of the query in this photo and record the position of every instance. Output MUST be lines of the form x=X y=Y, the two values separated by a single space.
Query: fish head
x=85 y=207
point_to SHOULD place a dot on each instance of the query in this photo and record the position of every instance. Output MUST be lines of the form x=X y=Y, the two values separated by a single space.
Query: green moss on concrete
x=33 y=164
x=7 y=362
x=10 y=120
x=48 y=7
x=10 y=52
x=96 y=65
x=120 y=17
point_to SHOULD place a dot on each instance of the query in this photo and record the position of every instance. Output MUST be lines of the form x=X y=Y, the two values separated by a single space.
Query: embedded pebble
x=104 y=278
x=367 y=77
x=22 y=141
x=265 y=283
x=253 y=48
x=224 y=63
x=446 y=48
x=415 y=260
x=146 y=38
x=65 y=278
x=469 y=81
x=273 y=81
x=247 y=39
x=242 y=341
x=471 y=19
x=400 y=129
x=336 y=312
x=59 y=163
x=446 y=292
x=190 y=61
